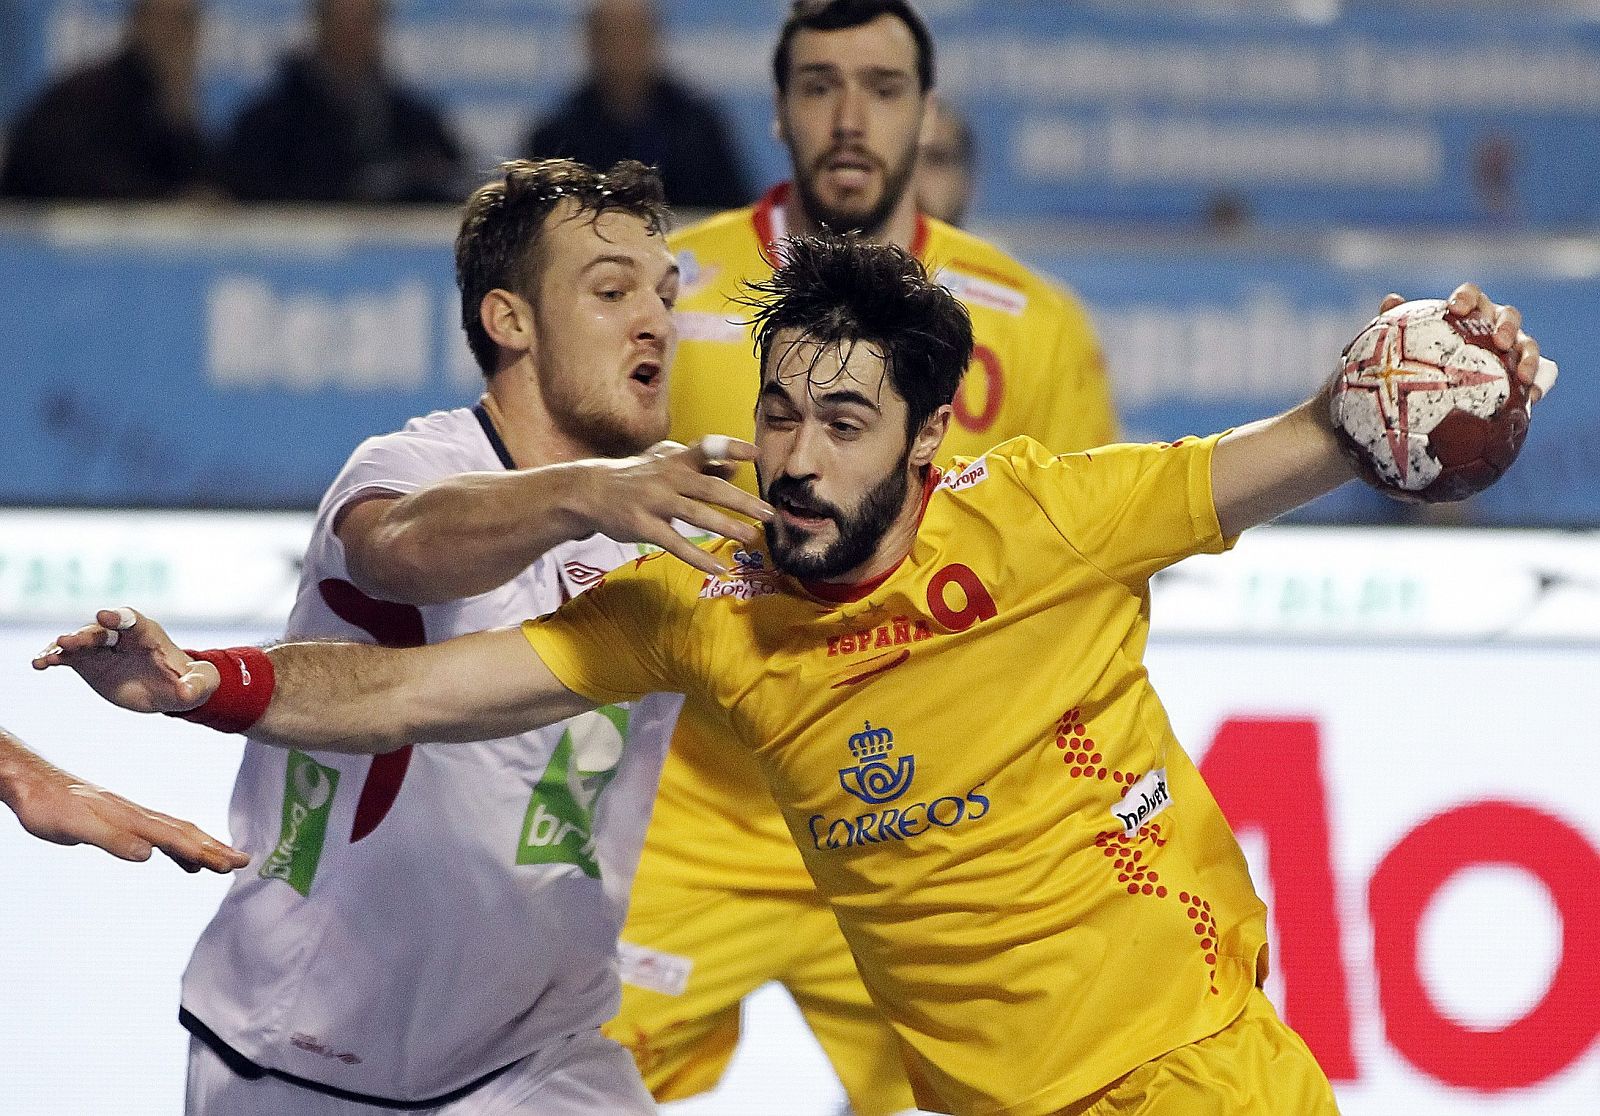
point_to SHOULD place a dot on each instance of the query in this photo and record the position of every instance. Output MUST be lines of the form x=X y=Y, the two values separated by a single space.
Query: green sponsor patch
x=558 y=827
x=308 y=790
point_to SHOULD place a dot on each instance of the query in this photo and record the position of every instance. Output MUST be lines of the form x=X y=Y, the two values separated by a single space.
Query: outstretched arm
x=339 y=697
x=1267 y=468
x=61 y=808
x=465 y=535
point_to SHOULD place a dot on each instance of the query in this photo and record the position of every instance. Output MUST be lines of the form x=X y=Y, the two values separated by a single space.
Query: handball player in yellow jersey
x=938 y=674
x=722 y=903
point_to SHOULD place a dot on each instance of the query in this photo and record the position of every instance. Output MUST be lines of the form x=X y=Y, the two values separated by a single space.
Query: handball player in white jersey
x=436 y=929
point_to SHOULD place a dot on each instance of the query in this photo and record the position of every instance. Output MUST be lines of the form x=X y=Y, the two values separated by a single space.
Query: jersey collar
x=771 y=217
x=840 y=592
x=495 y=441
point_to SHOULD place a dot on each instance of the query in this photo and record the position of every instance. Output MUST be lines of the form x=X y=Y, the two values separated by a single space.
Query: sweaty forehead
x=803 y=367
x=574 y=239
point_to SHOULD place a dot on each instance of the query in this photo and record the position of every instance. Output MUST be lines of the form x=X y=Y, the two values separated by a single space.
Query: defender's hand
x=129 y=660
x=55 y=807
x=636 y=499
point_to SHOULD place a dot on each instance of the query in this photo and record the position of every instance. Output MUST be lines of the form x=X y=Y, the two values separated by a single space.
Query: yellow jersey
x=1039 y=890
x=1036 y=370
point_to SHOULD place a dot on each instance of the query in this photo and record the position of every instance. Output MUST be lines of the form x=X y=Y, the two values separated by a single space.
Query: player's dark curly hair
x=502 y=229
x=837 y=15
x=841 y=291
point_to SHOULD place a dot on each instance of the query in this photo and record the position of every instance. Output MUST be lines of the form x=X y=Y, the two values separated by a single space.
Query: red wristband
x=246 y=689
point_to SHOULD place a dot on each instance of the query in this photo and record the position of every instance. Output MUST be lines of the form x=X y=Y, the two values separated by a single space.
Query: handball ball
x=1426 y=407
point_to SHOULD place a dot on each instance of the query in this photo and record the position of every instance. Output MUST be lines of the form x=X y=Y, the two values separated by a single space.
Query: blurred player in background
x=723 y=903
x=63 y=809
x=437 y=929
x=1040 y=890
x=946 y=163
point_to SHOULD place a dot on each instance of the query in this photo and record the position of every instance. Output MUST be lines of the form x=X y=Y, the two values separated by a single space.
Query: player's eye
x=847 y=431
x=612 y=294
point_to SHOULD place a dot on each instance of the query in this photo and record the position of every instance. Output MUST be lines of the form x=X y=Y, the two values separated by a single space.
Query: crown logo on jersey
x=870 y=742
x=875 y=781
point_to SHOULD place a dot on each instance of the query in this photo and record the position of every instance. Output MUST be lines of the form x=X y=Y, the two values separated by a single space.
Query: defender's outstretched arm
x=61 y=808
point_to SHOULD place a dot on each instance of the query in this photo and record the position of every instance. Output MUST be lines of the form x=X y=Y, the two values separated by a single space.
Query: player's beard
x=601 y=431
x=870 y=224
x=605 y=427
x=858 y=532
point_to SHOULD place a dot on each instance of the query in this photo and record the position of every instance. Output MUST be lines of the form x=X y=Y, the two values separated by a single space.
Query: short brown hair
x=498 y=243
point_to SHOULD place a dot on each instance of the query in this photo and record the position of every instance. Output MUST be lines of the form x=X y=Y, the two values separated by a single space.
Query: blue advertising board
x=235 y=362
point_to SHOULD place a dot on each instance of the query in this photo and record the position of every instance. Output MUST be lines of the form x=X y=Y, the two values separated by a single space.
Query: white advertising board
x=1401 y=725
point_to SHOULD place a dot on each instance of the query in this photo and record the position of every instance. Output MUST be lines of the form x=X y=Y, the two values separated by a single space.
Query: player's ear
x=508 y=320
x=925 y=446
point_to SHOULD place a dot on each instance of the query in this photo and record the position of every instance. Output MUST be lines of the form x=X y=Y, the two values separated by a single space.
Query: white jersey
x=410 y=923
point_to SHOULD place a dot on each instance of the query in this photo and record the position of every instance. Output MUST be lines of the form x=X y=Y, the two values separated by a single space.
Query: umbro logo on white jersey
x=580 y=573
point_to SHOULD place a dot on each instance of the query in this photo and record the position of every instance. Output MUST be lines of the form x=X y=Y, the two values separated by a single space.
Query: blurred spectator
x=337 y=127
x=1494 y=174
x=946 y=163
x=1226 y=213
x=126 y=126
x=629 y=107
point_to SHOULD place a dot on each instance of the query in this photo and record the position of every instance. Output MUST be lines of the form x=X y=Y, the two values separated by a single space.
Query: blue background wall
x=1089 y=110
x=233 y=363
x=196 y=357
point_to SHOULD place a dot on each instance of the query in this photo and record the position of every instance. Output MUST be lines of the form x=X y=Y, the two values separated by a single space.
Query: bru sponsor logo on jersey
x=881 y=776
x=308 y=789
x=558 y=827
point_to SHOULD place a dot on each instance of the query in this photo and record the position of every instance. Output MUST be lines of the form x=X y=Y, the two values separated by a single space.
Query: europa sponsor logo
x=750 y=578
x=308 y=789
x=975 y=473
x=880 y=778
x=977 y=291
x=739 y=587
